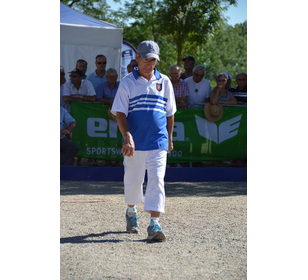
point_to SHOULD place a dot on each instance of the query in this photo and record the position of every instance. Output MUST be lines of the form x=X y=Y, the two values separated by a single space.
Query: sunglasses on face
x=197 y=75
x=222 y=80
x=101 y=62
x=241 y=79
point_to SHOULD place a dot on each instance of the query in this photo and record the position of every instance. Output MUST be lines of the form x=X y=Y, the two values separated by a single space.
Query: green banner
x=194 y=138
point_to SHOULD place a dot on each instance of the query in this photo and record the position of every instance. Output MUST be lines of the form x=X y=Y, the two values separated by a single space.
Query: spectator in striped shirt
x=180 y=87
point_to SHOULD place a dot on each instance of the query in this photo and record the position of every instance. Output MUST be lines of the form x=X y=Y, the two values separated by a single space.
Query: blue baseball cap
x=148 y=49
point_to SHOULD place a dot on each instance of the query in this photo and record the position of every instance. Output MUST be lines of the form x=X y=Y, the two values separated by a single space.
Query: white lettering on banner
x=97 y=127
x=103 y=151
x=113 y=129
x=175 y=153
x=226 y=130
x=178 y=132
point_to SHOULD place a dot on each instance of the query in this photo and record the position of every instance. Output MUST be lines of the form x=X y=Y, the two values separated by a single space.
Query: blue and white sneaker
x=155 y=233
x=132 y=222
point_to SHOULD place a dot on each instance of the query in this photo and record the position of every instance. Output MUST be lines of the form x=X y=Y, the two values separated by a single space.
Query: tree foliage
x=180 y=27
x=94 y=8
x=226 y=51
x=191 y=22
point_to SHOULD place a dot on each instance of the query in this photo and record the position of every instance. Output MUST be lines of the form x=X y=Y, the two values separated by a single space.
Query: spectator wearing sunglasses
x=199 y=88
x=240 y=92
x=99 y=75
x=241 y=80
x=220 y=95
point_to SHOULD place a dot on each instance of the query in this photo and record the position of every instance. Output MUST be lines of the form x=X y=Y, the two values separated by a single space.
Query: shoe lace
x=156 y=227
x=133 y=221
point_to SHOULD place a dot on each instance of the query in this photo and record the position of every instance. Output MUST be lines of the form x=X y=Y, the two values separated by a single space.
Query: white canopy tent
x=84 y=37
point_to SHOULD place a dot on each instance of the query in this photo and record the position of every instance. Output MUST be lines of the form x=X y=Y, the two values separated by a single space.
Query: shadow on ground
x=99 y=238
x=173 y=189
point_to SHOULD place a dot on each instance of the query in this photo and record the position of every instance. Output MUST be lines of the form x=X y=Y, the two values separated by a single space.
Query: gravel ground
x=205 y=226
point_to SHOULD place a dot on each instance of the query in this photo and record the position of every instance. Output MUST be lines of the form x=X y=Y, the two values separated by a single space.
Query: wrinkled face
x=112 y=78
x=241 y=81
x=145 y=66
x=82 y=66
x=198 y=75
x=175 y=74
x=101 y=63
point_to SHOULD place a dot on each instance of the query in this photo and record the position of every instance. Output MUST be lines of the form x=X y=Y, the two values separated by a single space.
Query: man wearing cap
x=78 y=89
x=145 y=108
x=189 y=64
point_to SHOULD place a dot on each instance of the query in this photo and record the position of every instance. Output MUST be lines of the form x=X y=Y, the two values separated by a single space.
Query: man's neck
x=100 y=73
x=77 y=86
x=188 y=73
x=112 y=86
x=242 y=87
x=174 y=83
x=147 y=76
x=195 y=81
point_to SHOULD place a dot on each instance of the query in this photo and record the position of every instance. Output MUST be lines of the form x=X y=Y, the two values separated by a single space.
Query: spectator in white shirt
x=199 y=88
x=78 y=89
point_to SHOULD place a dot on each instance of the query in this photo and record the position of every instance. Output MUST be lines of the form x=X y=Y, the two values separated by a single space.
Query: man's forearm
x=128 y=147
x=122 y=123
x=72 y=127
x=79 y=97
x=170 y=124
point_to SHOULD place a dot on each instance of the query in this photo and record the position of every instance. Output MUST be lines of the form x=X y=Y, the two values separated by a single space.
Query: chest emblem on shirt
x=159 y=87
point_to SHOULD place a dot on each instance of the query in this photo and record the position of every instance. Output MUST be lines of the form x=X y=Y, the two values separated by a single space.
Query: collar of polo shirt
x=156 y=74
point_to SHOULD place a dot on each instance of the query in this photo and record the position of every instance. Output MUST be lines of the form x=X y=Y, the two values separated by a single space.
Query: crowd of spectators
x=191 y=90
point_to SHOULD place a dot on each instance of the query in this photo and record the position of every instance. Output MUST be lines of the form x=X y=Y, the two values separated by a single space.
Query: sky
x=235 y=14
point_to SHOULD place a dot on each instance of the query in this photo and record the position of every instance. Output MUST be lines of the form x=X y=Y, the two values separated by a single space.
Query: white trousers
x=154 y=162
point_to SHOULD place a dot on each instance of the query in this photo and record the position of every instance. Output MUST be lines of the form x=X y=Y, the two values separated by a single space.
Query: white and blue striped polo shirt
x=146 y=104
